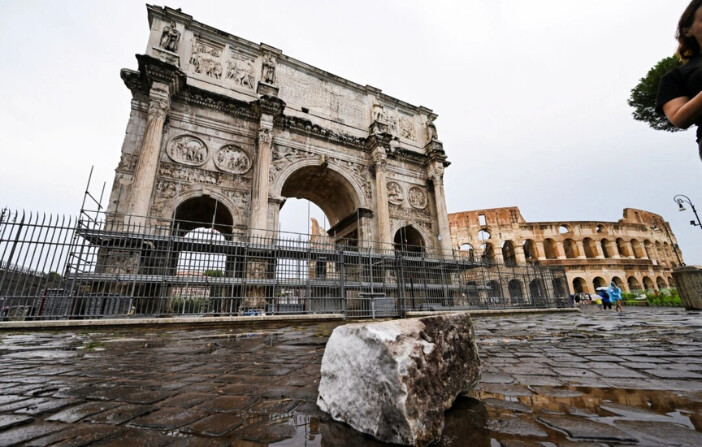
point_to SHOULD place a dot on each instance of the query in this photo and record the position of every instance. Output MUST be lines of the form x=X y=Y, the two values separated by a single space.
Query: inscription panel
x=304 y=90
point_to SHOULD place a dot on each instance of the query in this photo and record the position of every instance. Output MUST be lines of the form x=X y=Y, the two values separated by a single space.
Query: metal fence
x=108 y=267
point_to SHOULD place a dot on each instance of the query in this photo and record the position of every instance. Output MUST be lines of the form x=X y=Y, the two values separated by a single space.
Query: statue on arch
x=269 y=68
x=431 y=130
x=378 y=111
x=170 y=37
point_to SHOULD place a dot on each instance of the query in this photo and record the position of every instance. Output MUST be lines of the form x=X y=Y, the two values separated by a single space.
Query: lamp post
x=680 y=199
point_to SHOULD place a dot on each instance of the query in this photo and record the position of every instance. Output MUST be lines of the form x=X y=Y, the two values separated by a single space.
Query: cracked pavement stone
x=585 y=429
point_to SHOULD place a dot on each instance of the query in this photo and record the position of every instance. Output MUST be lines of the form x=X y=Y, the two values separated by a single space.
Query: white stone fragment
x=393 y=380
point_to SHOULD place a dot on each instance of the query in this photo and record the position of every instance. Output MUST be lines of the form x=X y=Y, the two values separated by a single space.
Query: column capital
x=435 y=171
x=159 y=107
x=265 y=135
x=380 y=158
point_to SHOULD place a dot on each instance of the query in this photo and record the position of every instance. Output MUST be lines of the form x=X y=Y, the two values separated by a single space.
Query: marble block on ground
x=394 y=379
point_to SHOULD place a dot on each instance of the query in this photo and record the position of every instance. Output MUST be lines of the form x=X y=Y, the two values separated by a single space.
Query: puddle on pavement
x=602 y=415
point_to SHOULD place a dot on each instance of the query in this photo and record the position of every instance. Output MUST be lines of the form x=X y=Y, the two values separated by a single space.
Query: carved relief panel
x=240 y=70
x=406 y=127
x=206 y=58
x=232 y=159
x=395 y=194
x=283 y=156
x=399 y=123
x=417 y=197
x=187 y=150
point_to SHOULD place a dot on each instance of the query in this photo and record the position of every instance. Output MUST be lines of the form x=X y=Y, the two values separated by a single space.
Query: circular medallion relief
x=417 y=197
x=395 y=194
x=232 y=159
x=187 y=150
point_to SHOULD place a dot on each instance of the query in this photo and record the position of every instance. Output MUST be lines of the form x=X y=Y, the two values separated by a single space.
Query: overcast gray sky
x=531 y=96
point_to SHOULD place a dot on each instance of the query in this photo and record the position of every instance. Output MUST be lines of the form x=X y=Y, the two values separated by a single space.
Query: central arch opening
x=329 y=197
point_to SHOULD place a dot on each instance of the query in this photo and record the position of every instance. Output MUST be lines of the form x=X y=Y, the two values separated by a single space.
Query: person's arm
x=683 y=112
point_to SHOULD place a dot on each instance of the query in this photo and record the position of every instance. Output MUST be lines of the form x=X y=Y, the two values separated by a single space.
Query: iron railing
x=107 y=266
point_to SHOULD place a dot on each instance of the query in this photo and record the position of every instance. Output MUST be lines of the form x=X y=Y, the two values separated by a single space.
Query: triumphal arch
x=223 y=130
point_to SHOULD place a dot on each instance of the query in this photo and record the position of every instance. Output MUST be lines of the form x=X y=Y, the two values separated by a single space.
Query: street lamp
x=680 y=199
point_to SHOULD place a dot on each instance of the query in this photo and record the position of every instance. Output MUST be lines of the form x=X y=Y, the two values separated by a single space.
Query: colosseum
x=637 y=252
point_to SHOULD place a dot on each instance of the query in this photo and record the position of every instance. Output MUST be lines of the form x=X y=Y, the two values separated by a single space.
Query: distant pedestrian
x=606 y=301
x=615 y=294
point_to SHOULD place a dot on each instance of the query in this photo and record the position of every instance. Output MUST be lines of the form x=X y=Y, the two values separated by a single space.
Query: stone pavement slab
x=551 y=379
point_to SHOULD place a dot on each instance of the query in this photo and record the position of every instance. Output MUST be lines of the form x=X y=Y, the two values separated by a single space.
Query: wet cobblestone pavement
x=593 y=378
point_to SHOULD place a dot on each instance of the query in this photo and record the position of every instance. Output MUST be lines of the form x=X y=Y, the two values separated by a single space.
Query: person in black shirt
x=679 y=93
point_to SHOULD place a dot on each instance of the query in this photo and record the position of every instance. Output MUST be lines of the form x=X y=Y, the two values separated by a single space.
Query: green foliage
x=666 y=297
x=643 y=96
x=213 y=273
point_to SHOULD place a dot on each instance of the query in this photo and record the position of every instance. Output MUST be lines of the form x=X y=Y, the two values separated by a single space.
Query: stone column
x=630 y=250
x=540 y=252
x=598 y=250
x=269 y=108
x=519 y=254
x=437 y=176
x=581 y=249
x=381 y=198
x=613 y=248
x=258 y=269
x=145 y=171
x=259 y=194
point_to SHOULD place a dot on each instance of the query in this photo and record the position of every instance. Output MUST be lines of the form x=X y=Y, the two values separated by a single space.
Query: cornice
x=269 y=105
x=301 y=125
x=153 y=69
x=202 y=98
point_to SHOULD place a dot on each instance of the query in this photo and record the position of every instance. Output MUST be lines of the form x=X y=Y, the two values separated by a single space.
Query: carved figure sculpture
x=170 y=37
x=268 y=68
x=378 y=111
x=431 y=130
x=395 y=193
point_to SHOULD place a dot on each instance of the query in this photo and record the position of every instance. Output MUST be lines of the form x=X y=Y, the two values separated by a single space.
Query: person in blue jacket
x=606 y=301
x=615 y=295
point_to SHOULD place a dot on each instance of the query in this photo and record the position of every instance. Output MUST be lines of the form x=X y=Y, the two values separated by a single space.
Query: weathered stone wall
x=638 y=252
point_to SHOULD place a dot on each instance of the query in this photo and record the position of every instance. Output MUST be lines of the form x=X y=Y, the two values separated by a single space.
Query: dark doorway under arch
x=202 y=211
x=408 y=239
